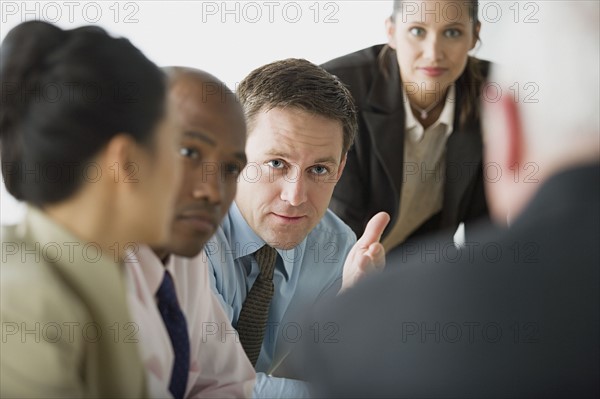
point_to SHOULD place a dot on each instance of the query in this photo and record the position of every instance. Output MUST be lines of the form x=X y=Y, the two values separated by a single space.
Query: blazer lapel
x=463 y=162
x=385 y=120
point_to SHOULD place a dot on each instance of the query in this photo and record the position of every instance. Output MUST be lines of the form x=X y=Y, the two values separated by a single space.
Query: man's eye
x=189 y=153
x=320 y=170
x=276 y=164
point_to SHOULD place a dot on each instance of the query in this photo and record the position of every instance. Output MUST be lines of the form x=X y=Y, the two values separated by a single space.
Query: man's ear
x=514 y=132
x=390 y=30
x=503 y=135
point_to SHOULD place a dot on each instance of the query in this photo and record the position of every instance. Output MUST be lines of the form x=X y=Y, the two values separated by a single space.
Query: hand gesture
x=367 y=255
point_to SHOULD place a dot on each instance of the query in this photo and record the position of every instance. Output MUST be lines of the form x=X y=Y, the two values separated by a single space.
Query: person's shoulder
x=218 y=250
x=356 y=58
x=357 y=61
x=484 y=66
x=30 y=284
x=22 y=257
x=217 y=247
x=434 y=265
x=12 y=233
x=223 y=232
x=332 y=226
x=439 y=249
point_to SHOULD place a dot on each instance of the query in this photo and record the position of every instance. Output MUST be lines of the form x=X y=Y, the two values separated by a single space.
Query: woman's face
x=432 y=40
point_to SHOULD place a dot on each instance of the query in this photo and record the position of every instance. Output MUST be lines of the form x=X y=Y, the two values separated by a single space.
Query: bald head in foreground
x=515 y=313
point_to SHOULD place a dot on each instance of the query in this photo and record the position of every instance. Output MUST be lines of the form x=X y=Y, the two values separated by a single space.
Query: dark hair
x=65 y=94
x=302 y=84
x=468 y=84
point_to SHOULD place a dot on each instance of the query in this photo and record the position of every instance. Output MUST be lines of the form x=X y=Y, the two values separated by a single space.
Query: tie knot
x=265 y=257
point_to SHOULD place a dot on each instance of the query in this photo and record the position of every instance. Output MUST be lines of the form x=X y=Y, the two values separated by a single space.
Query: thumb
x=374 y=229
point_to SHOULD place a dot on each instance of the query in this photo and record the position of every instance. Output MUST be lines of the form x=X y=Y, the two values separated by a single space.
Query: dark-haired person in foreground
x=516 y=313
x=63 y=307
x=279 y=249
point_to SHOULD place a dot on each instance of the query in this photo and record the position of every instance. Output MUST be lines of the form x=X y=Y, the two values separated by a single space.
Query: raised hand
x=367 y=255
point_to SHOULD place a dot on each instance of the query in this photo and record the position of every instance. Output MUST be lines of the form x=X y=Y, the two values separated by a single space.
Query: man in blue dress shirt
x=301 y=123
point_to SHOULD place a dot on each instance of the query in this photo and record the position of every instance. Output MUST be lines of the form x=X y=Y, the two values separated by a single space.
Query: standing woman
x=418 y=152
x=87 y=142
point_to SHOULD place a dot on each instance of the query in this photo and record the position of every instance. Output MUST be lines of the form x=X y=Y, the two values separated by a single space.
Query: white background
x=231 y=38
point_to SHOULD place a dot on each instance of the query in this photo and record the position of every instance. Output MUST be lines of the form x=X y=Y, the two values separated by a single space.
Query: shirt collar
x=244 y=241
x=446 y=117
x=411 y=121
x=150 y=265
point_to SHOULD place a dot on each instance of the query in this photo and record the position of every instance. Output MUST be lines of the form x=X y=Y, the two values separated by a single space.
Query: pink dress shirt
x=218 y=365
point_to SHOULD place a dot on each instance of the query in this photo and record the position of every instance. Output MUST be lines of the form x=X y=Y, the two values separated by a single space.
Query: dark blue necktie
x=174 y=320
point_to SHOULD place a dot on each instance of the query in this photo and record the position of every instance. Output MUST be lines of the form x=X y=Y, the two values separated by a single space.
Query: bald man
x=214 y=364
x=187 y=343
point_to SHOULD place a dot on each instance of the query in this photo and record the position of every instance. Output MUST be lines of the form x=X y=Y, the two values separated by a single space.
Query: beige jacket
x=66 y=328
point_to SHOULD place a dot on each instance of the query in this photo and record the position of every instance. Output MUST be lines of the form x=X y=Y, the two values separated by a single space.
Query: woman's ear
x=118 y=156
x=390 y=30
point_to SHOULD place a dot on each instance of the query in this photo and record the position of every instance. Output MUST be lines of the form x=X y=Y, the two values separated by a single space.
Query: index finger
x=374 y=229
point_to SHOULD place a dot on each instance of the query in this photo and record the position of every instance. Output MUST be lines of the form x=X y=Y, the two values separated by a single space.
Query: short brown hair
x=301 y=84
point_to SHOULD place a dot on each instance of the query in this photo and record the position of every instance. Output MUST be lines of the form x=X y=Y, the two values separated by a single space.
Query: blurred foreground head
x=541 y=105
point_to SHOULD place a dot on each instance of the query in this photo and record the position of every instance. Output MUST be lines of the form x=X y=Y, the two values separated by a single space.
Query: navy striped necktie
x=174 y=320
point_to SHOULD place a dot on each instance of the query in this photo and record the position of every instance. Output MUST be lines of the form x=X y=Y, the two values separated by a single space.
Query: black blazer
x=372 y=179
x=515 y=315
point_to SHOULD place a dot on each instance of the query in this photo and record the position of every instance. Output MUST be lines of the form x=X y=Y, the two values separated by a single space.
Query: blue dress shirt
x=303 y=275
